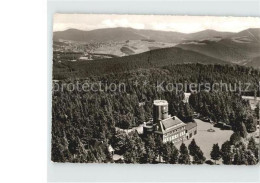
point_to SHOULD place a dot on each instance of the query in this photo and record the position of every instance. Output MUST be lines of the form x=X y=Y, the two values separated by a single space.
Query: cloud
x=178 y=27
x=185 y=24
x=122 y=23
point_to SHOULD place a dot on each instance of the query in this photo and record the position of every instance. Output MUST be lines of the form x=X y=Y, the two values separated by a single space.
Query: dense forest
x=84 y=123
x=225 y=107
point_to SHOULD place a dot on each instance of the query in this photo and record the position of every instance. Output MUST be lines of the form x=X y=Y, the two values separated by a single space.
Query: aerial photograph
x=155 y=89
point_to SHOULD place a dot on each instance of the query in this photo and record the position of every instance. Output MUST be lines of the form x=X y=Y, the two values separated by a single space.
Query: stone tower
x=160 y=110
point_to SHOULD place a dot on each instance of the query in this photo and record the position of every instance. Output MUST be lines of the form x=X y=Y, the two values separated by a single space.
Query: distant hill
x=208 y=34
x=154 y=58
x=255 y=62
x=98 y=35
x=236 y=48
x=240 y=48
x=122 y=34
x=252 y=34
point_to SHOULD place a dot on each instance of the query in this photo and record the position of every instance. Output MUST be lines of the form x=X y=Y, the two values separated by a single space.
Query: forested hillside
x=150 y=59
x=84 y=122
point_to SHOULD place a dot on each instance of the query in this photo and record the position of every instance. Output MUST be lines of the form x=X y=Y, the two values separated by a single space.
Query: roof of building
x=110 y=148
x=190 y=125
x=171 y=122
x=117 y=157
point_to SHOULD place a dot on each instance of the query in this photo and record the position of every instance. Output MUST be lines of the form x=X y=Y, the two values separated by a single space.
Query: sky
x=184 y=24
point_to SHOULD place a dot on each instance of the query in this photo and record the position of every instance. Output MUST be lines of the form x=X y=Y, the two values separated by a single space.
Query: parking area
x=206 y=139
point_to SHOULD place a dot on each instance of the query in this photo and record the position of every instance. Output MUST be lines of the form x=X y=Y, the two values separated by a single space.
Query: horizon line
x=153 y=30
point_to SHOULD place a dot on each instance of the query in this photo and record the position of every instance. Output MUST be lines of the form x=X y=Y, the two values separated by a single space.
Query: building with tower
x=170 y=128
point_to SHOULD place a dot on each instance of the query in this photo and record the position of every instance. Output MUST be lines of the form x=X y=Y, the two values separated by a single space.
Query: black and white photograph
x=130 y=91
x=155 y=89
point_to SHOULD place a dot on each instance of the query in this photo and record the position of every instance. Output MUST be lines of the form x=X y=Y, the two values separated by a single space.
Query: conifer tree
x=226 y=153
x=184 y=157
x=215 y=153
x=235 y=138
x=195 y=151
x=192 y=147
x=159 y=147
x=199 y=158
x=170 y=153
x=253 y=147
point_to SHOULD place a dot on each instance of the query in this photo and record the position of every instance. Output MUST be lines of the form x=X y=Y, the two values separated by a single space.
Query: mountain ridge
x=122 y=34
x=239 y=48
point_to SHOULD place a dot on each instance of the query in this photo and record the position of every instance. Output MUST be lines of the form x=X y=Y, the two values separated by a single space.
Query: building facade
x=190 y=130
x=169 y=128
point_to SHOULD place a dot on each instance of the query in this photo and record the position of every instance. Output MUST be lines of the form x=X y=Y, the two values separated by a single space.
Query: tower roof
x=160 y=102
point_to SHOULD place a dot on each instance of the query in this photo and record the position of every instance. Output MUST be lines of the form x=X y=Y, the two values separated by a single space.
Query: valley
x=241 y=48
